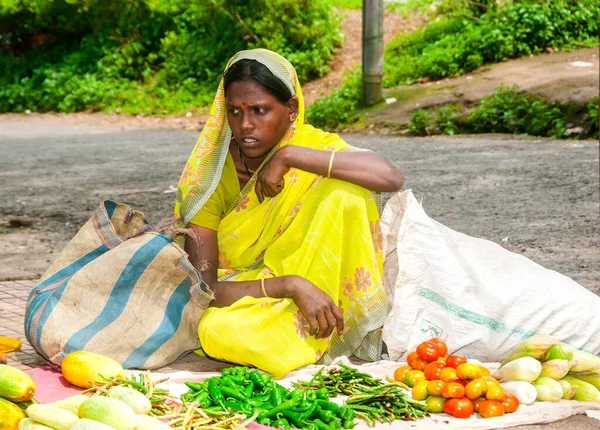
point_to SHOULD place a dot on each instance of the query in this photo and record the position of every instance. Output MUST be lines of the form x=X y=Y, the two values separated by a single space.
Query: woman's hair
x=252 y=70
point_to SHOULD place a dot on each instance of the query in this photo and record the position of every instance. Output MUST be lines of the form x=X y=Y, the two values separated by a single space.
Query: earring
x=290 y=133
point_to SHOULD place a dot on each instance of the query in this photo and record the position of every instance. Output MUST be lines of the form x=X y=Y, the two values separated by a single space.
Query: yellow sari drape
x=324 y=230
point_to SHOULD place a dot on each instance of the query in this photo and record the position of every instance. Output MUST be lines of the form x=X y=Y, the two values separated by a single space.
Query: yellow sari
x=324 y=230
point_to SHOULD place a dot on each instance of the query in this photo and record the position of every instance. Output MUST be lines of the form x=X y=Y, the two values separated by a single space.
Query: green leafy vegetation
x=508 y=111
x=420 y=122
x=347 y=4
x=454 y=46
x=445 y=120
x=339 y=108
x=146 y=56
x=461 y=36
x=414 y=7
x=433 y=8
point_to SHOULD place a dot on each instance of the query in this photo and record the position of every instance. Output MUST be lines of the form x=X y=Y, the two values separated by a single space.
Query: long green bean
x=385 y=404
x=342 y=380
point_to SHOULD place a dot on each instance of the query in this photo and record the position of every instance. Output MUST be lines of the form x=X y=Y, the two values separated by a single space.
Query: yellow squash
x=10 y=415
x=9 y=344
x=83 y=368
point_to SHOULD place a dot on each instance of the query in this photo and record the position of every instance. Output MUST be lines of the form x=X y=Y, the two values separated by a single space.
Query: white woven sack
x=472 y=292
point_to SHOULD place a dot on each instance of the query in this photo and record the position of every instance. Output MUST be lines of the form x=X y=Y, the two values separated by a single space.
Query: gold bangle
x=330 y=164
x=262 y=287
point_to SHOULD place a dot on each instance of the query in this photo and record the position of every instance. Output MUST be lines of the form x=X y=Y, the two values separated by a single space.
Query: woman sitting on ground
x=288 y=226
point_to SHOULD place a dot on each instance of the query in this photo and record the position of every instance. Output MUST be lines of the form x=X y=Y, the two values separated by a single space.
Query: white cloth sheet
x=538 y=413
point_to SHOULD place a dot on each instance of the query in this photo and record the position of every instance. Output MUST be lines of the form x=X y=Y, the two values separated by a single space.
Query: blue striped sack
x=130 y=296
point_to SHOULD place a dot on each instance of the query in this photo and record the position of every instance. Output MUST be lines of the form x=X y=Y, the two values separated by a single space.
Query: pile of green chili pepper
x=249 y=392
x=385 y=403
x=344 y=380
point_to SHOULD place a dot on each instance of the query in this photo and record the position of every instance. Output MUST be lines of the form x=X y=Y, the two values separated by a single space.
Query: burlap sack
x=132 y=297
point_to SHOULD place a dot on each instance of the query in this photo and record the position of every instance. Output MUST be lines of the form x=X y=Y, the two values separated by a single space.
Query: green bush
x=505 y=111
x=410 y=8
x=340 y=108
x=448 y=119
x=144 y=56
x=445 y=120
x=453 y=46
x=474 y=8
x=420 y=122
x=347 y=4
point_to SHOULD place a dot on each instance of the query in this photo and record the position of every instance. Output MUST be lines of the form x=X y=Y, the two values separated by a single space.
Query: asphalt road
x=537 y=197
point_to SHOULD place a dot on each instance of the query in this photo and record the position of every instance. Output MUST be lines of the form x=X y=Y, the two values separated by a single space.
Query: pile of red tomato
x=447 y=383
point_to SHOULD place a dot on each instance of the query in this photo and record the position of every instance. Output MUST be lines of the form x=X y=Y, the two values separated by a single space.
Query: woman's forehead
x=249 y=92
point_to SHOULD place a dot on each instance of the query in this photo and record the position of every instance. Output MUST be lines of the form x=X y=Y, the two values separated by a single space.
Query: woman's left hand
x=270 y=180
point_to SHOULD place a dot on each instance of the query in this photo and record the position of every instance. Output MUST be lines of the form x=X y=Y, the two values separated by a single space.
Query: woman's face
x=258 y=120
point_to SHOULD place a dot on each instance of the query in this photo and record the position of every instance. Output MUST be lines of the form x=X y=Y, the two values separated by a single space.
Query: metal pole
x=372 y=52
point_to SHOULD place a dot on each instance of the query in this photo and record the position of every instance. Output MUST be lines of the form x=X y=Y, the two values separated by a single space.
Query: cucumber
x=29 y=424
x=52 y=416
x=15 y=385
x=151 y=423
x=132 y=398
x=110 y=412
x=71 y=404
x=10 y=415
x=87 y=424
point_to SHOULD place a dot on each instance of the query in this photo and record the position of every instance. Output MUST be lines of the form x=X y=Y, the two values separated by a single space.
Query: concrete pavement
x=13 y=297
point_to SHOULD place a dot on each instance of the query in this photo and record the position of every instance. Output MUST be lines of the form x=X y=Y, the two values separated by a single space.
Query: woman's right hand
x=321 y=313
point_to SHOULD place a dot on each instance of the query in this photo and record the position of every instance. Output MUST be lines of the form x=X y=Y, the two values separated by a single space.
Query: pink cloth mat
x=50 y=385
